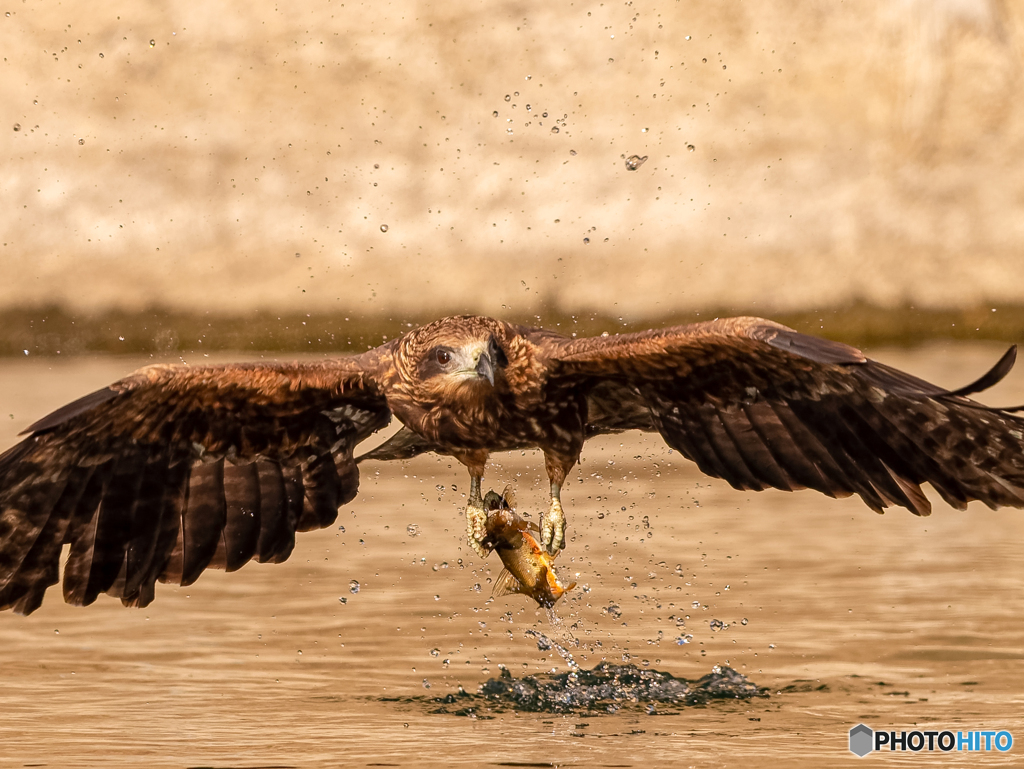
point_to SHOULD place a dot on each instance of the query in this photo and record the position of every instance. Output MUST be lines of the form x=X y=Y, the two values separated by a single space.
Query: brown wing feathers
x=763 y=406
x=176 y=470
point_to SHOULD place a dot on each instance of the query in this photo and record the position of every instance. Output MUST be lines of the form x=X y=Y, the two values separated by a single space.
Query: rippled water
x=845 y=616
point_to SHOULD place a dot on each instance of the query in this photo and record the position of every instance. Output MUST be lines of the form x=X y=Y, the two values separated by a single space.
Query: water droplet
x=81 y=141
x=695 y=605
x=633 y=162
x=690 y=147
x=611 y=60
x=435 y=652
x=554 y=129
x=743 y=621
x=544 y=114
x=56 y=632
x=495 y=113
x=529 y=108
x=613 y=610
x=35 y=101
x=426 y=684
x=586 y=240
x=717 y=624
x=353 y=586
x=342 y=599
x=413 y=530
x=704 y=60
x=515 y=93
x=687 y=37
x=508 y=97
x=529 y=77
x=101 y=55
x=383 y=228
x=437 y=598
x=341 y=529
x=152 y=43
x=17 y=126
x=572 y=152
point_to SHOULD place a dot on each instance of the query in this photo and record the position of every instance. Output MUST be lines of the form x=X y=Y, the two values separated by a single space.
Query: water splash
x=606 y=688
x=633 y=162
x=546 y=644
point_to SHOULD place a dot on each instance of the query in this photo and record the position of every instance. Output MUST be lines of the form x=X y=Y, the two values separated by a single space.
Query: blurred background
x=318 y=174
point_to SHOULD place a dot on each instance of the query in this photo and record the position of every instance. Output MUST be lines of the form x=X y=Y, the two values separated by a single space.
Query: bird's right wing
x=175 y=469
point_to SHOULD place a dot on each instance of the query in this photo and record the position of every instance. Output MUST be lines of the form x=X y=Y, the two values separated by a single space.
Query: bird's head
x=453 y=358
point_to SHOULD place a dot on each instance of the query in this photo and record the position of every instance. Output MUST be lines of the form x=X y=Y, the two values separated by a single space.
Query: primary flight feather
x=176 y=469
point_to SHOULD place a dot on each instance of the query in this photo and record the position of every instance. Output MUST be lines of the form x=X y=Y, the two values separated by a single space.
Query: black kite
x=178 y=468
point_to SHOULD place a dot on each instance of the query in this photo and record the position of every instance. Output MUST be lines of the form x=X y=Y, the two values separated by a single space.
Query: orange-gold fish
x=528 y=567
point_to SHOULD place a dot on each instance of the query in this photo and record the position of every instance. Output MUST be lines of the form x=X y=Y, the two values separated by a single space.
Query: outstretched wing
x=175 y=469
x=761 y=405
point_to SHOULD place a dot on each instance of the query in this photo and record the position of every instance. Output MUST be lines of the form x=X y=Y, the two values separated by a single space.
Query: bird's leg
x=552 y=525
x=476 y=517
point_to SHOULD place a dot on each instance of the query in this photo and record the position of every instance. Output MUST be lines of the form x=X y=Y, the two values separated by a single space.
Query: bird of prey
x=175 y=469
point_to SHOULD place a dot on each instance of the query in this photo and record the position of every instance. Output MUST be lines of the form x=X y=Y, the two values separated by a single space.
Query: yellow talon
x=476 y=528
x=552 y=528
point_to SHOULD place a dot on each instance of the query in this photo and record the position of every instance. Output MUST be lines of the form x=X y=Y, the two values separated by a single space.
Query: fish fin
x=506 y=584
x=510 y=497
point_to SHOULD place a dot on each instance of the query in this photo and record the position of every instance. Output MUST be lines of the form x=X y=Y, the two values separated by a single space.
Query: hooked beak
x=485 y=368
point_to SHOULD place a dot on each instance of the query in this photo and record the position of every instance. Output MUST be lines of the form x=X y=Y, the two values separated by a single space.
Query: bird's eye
x=443 y=357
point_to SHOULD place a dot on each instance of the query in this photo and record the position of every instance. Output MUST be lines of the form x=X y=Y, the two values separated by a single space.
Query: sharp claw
x=476 y=528
x=552 y=529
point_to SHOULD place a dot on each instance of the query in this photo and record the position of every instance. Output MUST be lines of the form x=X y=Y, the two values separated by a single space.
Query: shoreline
x=56 y=331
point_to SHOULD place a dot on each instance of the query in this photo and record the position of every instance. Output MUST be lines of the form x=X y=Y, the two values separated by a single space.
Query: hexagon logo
x=862 y=740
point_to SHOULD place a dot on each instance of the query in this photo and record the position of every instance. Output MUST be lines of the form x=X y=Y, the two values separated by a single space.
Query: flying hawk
x=175 y=469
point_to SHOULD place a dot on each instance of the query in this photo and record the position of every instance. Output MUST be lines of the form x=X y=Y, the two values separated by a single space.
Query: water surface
x=845 y=615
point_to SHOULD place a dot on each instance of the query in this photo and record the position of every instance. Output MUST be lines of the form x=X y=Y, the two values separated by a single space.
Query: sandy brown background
x=245 y=155
x=237 y=161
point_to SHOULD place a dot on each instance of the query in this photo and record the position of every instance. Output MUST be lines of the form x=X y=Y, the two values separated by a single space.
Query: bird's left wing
x=175 y=469
x=761 y=405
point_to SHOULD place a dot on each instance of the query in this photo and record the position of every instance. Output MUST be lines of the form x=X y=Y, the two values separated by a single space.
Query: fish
x=529 y=570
